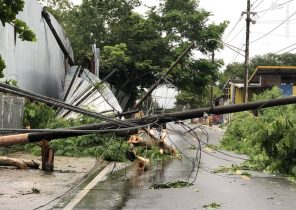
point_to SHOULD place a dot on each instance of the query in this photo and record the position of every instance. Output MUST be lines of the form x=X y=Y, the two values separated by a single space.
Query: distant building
x=264 y=77
x=233 y=91
x=283 y=77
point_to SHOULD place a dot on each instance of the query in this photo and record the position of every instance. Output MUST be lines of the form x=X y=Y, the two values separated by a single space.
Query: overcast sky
x=271 y=13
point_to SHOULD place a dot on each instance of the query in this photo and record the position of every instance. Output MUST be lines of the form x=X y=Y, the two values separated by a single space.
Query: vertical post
x=211 y=93
x=47 y=156
x=210 y=117
x=96 y=52
x=246 y=66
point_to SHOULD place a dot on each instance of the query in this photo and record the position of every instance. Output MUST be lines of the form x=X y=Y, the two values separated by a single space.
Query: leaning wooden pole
x=149 y=92
x=46 y=16
x=157 y=119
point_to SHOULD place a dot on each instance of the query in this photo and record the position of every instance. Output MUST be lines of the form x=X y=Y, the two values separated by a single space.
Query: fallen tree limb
x=18 y=163
x=143 y=140
x=142 y=163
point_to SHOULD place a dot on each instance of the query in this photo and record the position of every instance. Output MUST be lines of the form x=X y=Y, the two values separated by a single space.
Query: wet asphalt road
x=127 y=189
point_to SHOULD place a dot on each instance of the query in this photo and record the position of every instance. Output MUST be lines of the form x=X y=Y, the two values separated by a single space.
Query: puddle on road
x=127 y=183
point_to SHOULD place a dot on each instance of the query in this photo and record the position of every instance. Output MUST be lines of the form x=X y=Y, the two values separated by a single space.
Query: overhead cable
x=285 y=48
x=72 y=131
x=238 y=53
x=231 y=31
x=257 y=4
x=273 y=29
x=289 y=50
x=235 y=36
x=275 y=6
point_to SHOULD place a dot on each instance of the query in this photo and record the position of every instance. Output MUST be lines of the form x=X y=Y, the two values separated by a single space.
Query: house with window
x=283 y=77
x=264 y=77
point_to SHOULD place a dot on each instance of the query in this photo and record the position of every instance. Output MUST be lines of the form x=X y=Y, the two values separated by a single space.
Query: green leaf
x=25 y=33
x=2 y=67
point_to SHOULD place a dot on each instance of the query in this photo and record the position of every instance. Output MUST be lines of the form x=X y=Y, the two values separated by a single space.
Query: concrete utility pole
x=247 y=51
x=246 y=66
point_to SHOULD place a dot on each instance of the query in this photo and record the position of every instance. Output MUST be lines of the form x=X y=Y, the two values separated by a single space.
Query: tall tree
x=141 y=47
x=183 y=22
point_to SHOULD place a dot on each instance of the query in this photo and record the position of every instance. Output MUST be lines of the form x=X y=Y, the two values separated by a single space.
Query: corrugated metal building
x=36 y=66
x=41 y=66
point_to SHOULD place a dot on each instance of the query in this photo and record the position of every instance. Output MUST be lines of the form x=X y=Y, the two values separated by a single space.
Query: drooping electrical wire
x=233 y=28
x=99 y=160
x=238 y=53
x=71 y=131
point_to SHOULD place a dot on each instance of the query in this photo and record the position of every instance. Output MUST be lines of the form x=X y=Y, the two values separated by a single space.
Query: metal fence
x=11 y=111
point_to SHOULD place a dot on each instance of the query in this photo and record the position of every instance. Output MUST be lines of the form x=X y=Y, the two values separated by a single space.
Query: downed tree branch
x=142 y=163
x=18 y=163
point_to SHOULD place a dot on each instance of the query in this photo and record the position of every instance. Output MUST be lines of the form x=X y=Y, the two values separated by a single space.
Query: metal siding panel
x=36 y=66
x=1 y=110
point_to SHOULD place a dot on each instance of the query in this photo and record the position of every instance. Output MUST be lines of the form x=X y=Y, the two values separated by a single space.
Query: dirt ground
x=31 y=188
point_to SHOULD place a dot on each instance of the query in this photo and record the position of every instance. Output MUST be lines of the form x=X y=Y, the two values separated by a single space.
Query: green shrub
x=269 y=139
x=110 y=147
x=38 y=115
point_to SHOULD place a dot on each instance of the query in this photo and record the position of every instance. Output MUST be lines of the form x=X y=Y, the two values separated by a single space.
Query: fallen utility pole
x=156 y=119
x=162 y=77
x=46 y=16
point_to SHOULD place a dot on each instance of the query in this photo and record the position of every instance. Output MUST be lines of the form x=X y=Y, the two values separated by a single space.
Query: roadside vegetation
x=109 y=147
x=268 y=139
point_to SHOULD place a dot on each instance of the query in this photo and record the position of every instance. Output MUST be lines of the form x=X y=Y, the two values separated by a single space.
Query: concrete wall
x=11 y=111
x=36 y=66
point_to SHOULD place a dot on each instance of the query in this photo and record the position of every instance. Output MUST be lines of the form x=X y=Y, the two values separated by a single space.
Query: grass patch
x=233 y=170
x=292 y=179
x=192 y=147
x=213 y=205
x=213 y=146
